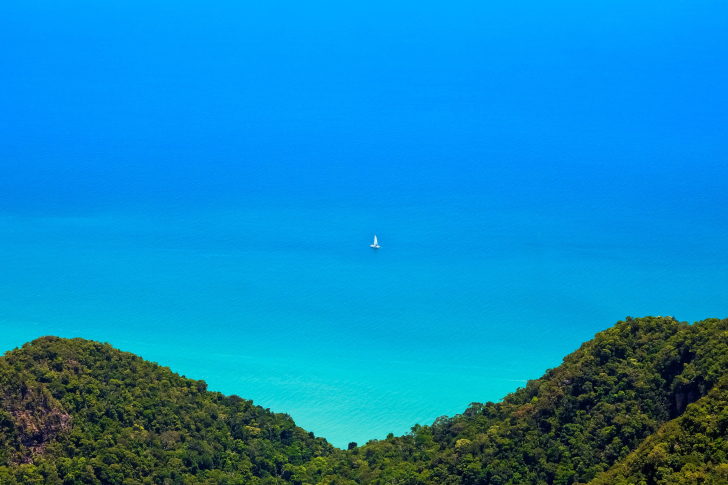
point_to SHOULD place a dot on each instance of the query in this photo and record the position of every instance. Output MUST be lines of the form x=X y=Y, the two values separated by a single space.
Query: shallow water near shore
x=200 y=185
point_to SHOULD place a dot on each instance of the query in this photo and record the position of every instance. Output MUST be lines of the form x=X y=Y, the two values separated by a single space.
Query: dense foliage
x=692 y=449
x=571 y=425
x=643 y=403
x=75 y=411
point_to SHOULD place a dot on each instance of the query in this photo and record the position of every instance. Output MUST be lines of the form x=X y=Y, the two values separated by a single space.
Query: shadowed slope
x=692 y=449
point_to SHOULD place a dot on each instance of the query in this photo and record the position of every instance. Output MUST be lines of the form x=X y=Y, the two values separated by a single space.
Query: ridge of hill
x=644 y=402
x=77 y=411
x=572 y=424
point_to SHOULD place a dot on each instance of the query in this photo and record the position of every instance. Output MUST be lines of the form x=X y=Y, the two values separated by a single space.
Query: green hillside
x=692 y=449
x=76 y=411
x=571 y=425
x=642 y=403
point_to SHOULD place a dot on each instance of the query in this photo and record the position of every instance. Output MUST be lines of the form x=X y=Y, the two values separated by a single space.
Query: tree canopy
x=642 y=403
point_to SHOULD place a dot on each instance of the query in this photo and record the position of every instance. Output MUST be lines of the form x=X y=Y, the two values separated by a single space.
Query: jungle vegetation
x=643 y=403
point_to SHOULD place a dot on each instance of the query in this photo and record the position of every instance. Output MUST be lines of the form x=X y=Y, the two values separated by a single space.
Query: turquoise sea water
x=199 y=184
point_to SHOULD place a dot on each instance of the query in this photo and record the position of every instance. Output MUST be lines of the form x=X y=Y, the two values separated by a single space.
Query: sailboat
x=375 y=245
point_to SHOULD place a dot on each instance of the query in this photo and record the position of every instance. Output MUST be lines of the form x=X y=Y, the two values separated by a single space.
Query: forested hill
x=574 y=423
x=642 y=403
x=82 y=412
x=687 y=450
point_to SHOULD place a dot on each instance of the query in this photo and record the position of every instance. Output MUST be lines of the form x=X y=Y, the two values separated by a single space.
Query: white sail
x=375 y=241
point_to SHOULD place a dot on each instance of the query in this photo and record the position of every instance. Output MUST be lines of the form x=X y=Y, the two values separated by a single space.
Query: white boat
x=375 y=245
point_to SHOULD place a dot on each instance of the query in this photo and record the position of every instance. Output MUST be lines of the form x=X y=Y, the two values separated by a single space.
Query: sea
x=200 y=182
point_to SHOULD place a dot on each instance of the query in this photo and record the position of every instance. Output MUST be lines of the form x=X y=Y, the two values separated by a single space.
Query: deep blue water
x=199 y=183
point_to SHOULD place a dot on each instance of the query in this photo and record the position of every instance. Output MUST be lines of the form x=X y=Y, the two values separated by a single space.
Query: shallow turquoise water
x=295 y=311
x=200 y=185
